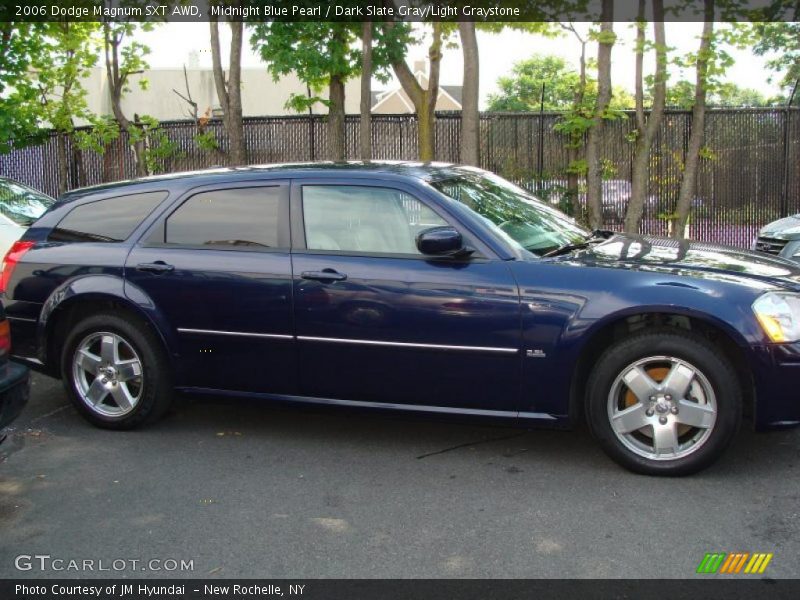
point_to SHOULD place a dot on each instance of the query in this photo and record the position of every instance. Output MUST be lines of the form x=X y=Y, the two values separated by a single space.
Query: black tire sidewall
x=156 y=387
x=691 y=348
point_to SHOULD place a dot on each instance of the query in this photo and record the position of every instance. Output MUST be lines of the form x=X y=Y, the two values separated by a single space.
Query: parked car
x=20 y=206
x=418 y=288
x=14 y=382
x=780 y=238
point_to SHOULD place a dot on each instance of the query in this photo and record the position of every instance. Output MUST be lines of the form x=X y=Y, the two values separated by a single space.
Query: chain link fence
x=749 y=175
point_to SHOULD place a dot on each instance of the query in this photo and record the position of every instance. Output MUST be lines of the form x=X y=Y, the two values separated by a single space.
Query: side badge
x=535 y=354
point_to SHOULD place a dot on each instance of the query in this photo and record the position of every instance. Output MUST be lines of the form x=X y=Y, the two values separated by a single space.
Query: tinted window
x=235 y=217
x=110 y=220
x=517 y=215
x=364 y=219
x=22 y=204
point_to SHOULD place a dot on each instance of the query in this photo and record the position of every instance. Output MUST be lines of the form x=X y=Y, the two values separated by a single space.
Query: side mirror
x=441 y=241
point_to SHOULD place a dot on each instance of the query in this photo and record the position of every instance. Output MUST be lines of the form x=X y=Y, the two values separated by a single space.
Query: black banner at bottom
x=400 y=589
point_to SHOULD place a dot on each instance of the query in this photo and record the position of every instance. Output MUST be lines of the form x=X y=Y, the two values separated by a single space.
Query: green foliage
x=206 y=140
x=102 y=131
x=781 y=40
x=318 y=51
x=315 y=52
x=159 y=148
x=20 y=44
x=70 y=50
x=521 y=91
x=681 y=95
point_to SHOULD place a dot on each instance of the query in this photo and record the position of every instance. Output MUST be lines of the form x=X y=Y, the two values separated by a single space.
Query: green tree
x=125 y=57
x=782 y=39
x=20 y=114
x=319 y=54
x=681 y=95
x=69 y=52
x=522 y=90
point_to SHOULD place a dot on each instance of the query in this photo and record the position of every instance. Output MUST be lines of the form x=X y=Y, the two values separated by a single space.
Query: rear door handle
x=326 y=275
x=158 y=267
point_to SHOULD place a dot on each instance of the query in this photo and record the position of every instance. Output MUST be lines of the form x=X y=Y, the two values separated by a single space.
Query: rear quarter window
x=109 y=220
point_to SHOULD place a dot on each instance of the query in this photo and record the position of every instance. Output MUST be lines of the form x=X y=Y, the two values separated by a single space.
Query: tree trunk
x=63 y=165
x=647 y=129
x=692 y=163
x=229 y=92
x=574 y=149
x=336 y=131
x=365 y=128
x=424 y=100
x=235 y=126
x=116 y=85
x=470 y=118
x=594 y=178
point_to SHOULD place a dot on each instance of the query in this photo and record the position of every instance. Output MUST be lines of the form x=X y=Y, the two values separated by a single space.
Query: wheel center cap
x=662 y=406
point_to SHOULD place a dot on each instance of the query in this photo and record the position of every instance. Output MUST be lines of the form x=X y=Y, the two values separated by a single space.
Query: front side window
x=237 y=217
x=109 y=220
x=364 y=219
x=513 y=212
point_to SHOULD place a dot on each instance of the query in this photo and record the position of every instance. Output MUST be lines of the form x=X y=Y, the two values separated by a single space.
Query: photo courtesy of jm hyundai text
x=429 y=289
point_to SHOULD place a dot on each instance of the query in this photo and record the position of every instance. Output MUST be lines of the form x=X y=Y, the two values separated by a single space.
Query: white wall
x=261 y=96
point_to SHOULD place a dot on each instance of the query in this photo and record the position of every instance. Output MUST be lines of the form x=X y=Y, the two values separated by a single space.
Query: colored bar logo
x=735 y=562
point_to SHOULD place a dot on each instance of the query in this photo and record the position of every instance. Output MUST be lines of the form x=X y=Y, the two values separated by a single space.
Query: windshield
x=21 y=204
x=513 y=212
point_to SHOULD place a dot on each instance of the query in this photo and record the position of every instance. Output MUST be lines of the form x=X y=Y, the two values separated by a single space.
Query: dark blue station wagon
x=407 y=287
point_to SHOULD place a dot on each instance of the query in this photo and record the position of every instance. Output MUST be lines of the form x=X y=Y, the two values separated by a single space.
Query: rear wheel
x=664 y=403
x=115 y=371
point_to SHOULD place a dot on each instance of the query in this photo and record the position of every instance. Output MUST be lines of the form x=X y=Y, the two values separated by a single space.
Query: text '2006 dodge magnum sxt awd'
x=407 y=287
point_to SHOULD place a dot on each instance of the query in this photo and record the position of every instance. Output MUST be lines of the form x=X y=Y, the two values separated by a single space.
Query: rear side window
x=109 y=220
x=245 y=217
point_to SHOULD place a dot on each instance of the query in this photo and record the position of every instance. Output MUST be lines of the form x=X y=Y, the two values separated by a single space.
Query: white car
x=20 y=206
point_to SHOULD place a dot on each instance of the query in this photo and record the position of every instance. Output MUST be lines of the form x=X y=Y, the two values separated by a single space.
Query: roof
x=416 y=170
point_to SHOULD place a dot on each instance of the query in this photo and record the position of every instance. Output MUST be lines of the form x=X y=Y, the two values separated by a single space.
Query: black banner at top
x=377 y=10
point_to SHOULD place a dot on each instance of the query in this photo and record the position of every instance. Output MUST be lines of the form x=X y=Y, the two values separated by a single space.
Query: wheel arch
x=623 y=324
x=86 y=296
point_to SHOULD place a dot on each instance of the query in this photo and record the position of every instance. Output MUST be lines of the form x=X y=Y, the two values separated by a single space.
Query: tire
x=664 y=402
x=137 y=389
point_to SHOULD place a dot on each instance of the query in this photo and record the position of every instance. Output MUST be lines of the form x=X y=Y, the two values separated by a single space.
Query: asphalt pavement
x=245 y=489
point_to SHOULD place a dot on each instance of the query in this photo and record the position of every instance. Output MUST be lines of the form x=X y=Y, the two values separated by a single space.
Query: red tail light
x=5 y=338
x=10 y=261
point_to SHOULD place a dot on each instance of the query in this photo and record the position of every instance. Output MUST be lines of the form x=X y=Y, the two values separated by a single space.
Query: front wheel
x=664 y=403
x=115 y=371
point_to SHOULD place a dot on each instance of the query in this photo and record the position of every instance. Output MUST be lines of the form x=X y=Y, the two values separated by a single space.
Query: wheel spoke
x=122 y=396
x=128 y=369
x=87 y=361
x=678 y=380
x=665 y=438
x=640 y=383
x=96 y=392
x=695 y=415
x=108 y=349
x=630 y=419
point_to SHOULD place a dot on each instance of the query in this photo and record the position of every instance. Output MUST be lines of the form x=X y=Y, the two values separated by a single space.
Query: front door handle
x=326 y=275
x=158 y=267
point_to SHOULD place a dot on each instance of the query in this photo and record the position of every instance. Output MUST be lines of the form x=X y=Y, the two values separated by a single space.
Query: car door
x=378 y=322
x=218 y=266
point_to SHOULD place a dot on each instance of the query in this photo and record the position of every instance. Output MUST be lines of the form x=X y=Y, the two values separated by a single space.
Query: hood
x=783 y=229
x=693 y=259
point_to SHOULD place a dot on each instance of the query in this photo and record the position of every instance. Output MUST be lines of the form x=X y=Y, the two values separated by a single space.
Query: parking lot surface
x=246 y=489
